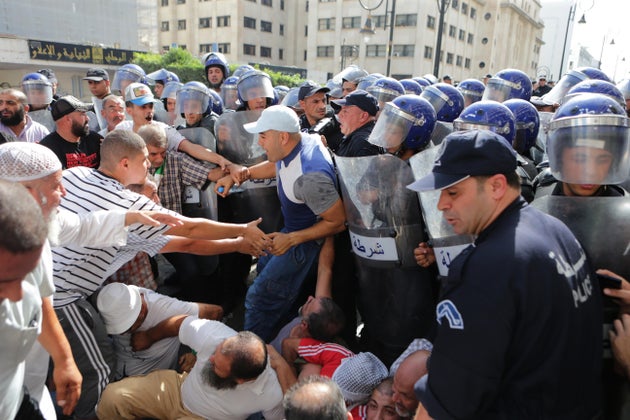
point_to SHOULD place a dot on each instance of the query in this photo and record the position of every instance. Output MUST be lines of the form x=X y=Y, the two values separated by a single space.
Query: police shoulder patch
x=447 y=309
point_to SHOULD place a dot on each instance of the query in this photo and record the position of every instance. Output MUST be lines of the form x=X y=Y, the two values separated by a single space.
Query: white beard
x=54 y=229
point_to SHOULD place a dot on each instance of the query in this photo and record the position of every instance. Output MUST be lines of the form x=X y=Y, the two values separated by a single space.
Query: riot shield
x=200 y=203
x=254 y=198
x=98 y=107
x=441 y=130
x=44 y=117
x=383 y=216
x=599 y=223
x=446 y=243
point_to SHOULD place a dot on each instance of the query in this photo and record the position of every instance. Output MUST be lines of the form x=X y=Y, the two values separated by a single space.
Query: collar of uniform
x=292 y=154
x=514 y=206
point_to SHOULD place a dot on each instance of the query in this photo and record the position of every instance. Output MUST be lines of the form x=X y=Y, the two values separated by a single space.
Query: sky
x=605 y=20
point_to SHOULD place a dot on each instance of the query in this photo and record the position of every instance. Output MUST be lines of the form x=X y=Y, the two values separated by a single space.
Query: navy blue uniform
x=519 y=333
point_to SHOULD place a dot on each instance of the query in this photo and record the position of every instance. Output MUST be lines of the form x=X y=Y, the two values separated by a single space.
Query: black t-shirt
x=87 y=152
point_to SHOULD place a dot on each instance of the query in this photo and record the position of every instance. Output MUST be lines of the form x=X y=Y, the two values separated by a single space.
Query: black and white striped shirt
x=80 y=271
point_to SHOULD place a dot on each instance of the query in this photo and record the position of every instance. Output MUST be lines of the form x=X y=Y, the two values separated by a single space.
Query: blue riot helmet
x=508 y=84
x=407 y=118
x=447 y=101
x=192 y=98
x=385 y=90
x=352 y=74
x=254 y=85
x=624 y=88
x=411 y=86
x=570 y=79
x=281 y=91
x=241 y=70
x=169 y=95
x=422 y=81
x=487 y=115
x=596 y=86
x=527 y=124
x=431 y=78
x=368 y=81
x=218 y=60
x=291 y=99
x=126 y=75
x=589 y=141
x=38 y=89
x=229 y=93
x=472 y=89
x=335 y=91
x=163 y=76
x=216 y=103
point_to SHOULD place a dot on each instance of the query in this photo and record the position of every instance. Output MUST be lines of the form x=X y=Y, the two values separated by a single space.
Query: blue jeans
x=276 y=288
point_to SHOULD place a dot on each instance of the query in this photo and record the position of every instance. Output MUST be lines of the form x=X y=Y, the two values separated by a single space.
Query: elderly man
x=14 y=119
x=231 y=379
x=73 y=142
x=314 y=398
x=113 y=113
x=520 y=309
x=311 y=208
x=356 y=113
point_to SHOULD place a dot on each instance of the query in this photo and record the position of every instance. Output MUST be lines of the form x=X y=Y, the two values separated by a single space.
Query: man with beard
x=14 y=119
x=39 y=170
x=231 y=379
x=73 y=142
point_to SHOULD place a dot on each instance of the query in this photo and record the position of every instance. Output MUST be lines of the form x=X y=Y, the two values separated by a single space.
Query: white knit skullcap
x=22 y=161
x=358 y=375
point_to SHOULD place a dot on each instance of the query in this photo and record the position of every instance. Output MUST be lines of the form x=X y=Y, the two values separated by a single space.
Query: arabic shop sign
x=56 y=51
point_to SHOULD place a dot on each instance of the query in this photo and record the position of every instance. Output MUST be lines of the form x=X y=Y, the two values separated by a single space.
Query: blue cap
x=360 y=98
x=464 y=154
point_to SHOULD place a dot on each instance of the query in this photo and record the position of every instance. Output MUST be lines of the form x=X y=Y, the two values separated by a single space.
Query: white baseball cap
x=276 y=117
x=119 y=305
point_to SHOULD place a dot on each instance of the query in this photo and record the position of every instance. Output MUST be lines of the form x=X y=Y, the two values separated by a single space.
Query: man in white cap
x=139 y=102
x=311 y=208
x=144 y=326
x=38 y=169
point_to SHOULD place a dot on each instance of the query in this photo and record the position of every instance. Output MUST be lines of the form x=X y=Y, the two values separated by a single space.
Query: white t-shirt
x=173 y=137
x=261 y=395
x=162 y=354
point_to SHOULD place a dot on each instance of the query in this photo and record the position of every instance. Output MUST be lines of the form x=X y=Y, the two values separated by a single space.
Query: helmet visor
x=257 y=86
x=191 y=101
x=392 y=127
x=37 y=92
x=497 y=90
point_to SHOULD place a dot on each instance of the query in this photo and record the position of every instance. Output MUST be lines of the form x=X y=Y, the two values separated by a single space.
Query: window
x=351 y=22
x=376 y=50
x=467 y=63
x=281 y=29
x=205 y=22
x=327 y=1
x=165 y=48
x=487 y=16
x=470 y=38
x=205 y=48
x=181 y=25
x=451 y=31
x=431 y=22
x=458 y=60
x=265 y=26
x=266 y=3
x=281 y=4
x=181 y=1
x=464 y=8
x=428 y=52
x=327 y=24
x=484 y=41
x=473 y=13
x=249 y=49
x=280 y=53
x=306 y=30
x=462 y=35
x=482 y=64
x=403 y=50
x=249 y=22
x=449 y=58
x=441 y=56
x=265 y=52
x=349 y=50
x=306 y=10
x=164 y=3
x=455 y=4
x=406 y=20
x=325 y=51
x=379 y=21
x=164 y=26
x=305 y=52
x=224 y=48
x=182 y=46
x=223 y=21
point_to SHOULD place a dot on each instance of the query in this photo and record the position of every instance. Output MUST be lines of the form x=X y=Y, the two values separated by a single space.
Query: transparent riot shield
x=44 y=117
x=446 y=243
x=200 y=203
x=441 y=130
x=383 y=216
x=98 y=107
x=599 y=223
x=254 y=198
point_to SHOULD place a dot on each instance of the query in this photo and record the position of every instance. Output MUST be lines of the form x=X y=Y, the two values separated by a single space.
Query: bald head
x=409 y=372
x=248 y=354
x=315 y=398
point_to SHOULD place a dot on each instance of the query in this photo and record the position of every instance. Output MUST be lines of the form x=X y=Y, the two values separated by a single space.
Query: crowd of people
x=423 y=248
